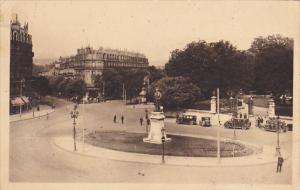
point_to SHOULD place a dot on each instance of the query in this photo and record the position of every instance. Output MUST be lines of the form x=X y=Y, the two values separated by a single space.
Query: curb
x=64 y=143
x=23 y=119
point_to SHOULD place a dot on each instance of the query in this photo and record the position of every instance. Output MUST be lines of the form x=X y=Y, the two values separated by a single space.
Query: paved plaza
x=34 y=147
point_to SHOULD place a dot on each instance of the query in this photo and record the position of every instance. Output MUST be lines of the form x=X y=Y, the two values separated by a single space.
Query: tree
x=155 y=74
x=41 y=85
x=53 y=83
x=75 y=88
x=177 y=92
x=113 y=79
x=273 y=64
x=210 y=66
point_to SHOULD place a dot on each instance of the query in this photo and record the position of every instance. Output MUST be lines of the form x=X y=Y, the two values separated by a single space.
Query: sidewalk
x=44 y=109
x=267 y=156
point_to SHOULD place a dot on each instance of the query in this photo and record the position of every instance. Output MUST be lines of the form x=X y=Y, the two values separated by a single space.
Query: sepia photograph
x=150 y=94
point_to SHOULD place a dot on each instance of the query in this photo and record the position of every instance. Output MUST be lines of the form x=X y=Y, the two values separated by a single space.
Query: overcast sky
x=152 y=27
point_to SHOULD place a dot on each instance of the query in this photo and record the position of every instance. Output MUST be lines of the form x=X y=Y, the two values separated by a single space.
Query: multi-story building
x=88 y=63
x=20 y=59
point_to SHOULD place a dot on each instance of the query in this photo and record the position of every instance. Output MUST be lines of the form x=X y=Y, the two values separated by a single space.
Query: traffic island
x=183 y=146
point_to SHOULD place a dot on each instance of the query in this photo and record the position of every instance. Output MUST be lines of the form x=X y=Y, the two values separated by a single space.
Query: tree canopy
x=176 y=92
x=273 y=64
x=211 y=65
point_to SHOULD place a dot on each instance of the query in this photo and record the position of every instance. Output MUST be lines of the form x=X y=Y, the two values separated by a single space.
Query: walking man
x=115 y=119
x=141 y=121
x=122 y=119
x=279 y=163
x=148 y=124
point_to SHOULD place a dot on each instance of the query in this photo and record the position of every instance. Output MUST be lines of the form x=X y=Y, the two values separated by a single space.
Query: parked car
x=238 y=123
x=205 y=122
x=272 y=125
x=187 y=119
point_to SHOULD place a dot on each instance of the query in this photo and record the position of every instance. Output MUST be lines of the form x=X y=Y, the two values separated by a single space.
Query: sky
x=153 y=28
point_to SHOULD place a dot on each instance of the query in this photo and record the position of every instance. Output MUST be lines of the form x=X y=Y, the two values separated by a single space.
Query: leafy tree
x=177 y=92
x=210 y=65
x=273 y=64
x=113 y=79
x=40 y=85
x=155 y=74
x=75 y=88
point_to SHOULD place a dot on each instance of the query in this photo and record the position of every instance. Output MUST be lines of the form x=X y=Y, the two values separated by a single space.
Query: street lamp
x=233 y=110
x=163 y=140
x=147 y=117
x=278 y=146
x=74 y=114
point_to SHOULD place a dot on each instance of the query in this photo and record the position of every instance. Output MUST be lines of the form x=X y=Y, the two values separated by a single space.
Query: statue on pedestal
x=157 y=97
x=157 y=131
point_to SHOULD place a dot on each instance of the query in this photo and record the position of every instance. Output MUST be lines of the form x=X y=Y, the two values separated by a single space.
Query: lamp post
x=74 y=114
x=233 y=110
x=278 y=129
x=147 y=117
x=163 y=140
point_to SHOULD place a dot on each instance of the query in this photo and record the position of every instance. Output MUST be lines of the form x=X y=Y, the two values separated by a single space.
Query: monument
x=157 y=125
x=271 y=109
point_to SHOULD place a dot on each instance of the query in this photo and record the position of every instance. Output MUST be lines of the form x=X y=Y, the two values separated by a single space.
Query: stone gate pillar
x=271 y=109
x=213 y=104
x=250 y=106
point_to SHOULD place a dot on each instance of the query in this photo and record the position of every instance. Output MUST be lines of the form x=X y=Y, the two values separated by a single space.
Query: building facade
x=20 y=56
x=21 y=65
x=88 y=63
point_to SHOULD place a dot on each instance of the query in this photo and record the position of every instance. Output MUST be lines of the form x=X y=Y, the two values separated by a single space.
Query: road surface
x=35 y=158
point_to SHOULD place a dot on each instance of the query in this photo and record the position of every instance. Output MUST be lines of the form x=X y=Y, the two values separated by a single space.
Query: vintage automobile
x=238 y=123
x=187 y=120
x=205 y=122
x=273 y=124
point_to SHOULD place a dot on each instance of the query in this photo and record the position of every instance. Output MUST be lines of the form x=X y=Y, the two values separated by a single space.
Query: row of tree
x=66 y=87
x=267 y=67
x=112 y=81
x=193 y=73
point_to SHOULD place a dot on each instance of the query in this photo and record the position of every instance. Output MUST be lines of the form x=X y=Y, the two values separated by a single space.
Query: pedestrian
x=122 y=119
x=47 y=115
x=148 y=124
x=115 y=119
x=141 y=121
x=279 y=163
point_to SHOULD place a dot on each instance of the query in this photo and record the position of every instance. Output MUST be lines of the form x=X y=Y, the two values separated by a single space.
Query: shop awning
x=17 y=101
x=25 y=99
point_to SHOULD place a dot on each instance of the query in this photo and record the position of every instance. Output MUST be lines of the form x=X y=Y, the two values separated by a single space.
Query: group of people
x=141 y=120
x=115 y=119
x=147 y=120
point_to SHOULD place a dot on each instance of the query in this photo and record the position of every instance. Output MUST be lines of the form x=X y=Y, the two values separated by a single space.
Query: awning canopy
x=17 y=101
x=25 y=99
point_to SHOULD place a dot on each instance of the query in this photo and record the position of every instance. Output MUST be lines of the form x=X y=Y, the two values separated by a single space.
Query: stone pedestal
x=213 y=104
x=157 y=124
x=271 y=109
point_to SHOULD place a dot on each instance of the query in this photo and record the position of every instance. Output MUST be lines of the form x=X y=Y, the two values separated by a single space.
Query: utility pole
x=124 y=93
x=125 y=97
x=83 y=148
x=218 y=130
x=278 y=130
x=103 y=90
